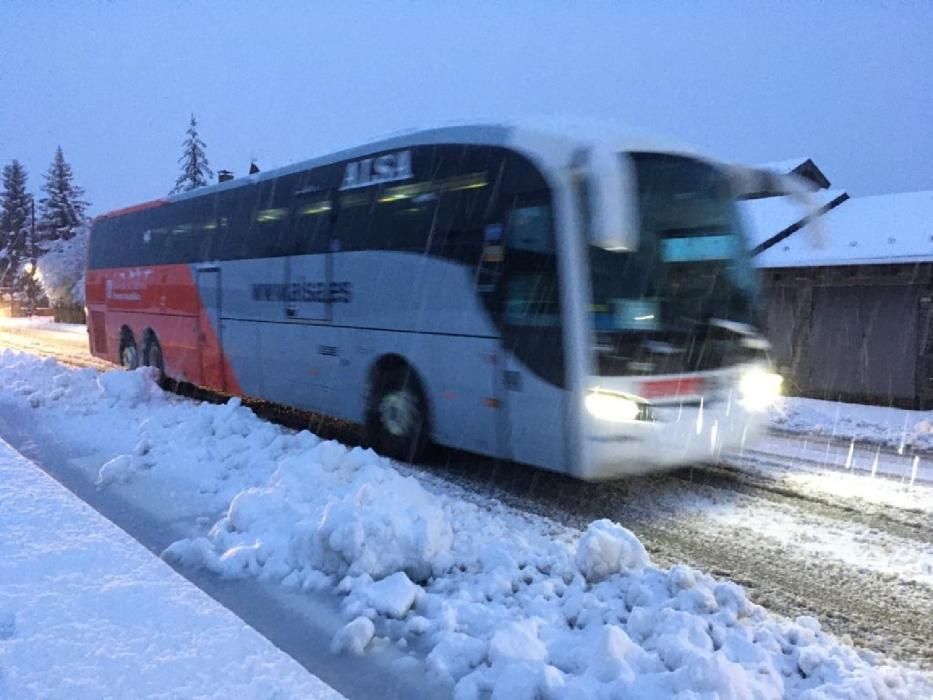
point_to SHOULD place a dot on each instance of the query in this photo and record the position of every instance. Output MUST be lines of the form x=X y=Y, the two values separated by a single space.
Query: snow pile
x=607 y=548
x=657 y=634
x=881 y=425
x=354 y=637
x=326 y=510
x=501 y=603
x=130 y=389
x=44 y=382
x=41 y=382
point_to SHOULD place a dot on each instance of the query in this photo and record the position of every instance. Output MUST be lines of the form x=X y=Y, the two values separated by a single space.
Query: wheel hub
x=130 y=357
x=398 y=413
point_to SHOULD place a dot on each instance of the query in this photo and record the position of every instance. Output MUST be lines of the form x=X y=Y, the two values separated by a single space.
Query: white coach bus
x=579 y=302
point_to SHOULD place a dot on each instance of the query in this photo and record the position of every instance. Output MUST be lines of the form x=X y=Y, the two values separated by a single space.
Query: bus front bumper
x=672 y=436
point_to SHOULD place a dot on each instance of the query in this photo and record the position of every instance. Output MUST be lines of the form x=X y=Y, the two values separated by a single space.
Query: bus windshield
x=689 y=278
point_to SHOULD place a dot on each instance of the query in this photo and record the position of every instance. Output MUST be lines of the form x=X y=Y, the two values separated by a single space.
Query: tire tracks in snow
x=907 y=524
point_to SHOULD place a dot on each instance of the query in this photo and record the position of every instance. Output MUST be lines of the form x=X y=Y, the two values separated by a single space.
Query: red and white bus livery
x=569 y=301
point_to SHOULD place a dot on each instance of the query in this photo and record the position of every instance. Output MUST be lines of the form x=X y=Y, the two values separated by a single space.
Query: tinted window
x=394 y=215
x=235 y=209
x=530 y=292
x=465 y=184
x=311 y=224
x=456 y=192
x=270 y=228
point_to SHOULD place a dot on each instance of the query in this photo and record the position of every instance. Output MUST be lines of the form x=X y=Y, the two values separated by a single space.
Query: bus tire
x=397 y=420
x=129 y=353
x=152 y=356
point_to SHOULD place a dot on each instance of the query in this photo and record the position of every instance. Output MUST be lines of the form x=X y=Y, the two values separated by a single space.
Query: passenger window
x=232 y=240
x=531 y=293
x=311 y=229
x=271 y=222
x=403 y=215
x=458 y=226
x=354 y=220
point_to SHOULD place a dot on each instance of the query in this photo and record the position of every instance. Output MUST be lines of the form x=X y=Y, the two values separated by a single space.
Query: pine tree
x=16 y=245
x=63 y=209
x=193 y=161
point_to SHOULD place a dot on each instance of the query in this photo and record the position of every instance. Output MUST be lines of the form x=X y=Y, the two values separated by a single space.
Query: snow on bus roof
x=877 y=230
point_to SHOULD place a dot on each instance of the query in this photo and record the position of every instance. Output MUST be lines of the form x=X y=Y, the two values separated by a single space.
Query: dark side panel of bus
x=302 y=285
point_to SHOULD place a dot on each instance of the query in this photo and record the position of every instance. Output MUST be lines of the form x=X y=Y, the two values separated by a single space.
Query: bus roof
x=548 y=142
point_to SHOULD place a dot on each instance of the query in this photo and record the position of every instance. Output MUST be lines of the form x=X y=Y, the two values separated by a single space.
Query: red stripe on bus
x=685 y=386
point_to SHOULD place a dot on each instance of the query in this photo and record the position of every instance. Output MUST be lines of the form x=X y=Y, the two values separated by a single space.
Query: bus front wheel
x=397 y=421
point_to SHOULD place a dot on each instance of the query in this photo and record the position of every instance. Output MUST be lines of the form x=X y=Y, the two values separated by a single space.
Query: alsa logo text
x=389 y=167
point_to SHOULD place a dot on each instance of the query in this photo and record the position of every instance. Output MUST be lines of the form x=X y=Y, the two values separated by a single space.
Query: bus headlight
x=611 y=407
x=759 y=388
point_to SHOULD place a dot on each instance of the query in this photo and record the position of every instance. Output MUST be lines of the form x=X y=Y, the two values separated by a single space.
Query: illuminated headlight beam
x=759 y=388
x=611 y=407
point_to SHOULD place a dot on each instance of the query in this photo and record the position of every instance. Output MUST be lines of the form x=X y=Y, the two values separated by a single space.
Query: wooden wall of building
x=856 y=333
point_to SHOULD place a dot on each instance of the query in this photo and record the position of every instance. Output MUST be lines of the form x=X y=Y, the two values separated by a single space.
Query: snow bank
x=86 y=612
x=328 y=509
x=130 y=388
x=502 y=604
x=880 y=425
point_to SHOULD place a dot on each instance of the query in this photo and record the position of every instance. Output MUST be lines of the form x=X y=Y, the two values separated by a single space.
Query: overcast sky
x=849 y=84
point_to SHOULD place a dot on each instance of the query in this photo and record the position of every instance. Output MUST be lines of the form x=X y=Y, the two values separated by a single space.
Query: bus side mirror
x=613 y=198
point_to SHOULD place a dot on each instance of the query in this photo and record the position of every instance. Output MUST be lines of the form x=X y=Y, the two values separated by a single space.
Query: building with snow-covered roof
x=770 y=220
x=850 y=306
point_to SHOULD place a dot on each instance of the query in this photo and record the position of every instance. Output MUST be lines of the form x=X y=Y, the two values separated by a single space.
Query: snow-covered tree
x=62 y=269
x=63 y=208
x=16 y=245
x=194 y=170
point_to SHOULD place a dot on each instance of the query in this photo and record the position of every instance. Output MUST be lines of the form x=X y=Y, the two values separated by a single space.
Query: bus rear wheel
x=152 y=357
x=129 y=355
x=397 y=421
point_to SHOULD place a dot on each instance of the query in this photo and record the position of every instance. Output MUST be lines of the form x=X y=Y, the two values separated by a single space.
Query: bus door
x=532 y=380
x=210 y=327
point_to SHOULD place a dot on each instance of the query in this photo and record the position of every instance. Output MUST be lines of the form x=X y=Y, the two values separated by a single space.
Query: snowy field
x=487 y=600
x=87 y=612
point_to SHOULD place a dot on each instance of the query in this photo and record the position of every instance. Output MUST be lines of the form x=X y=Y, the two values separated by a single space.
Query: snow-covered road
x=858 y=558
x=66 y=342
